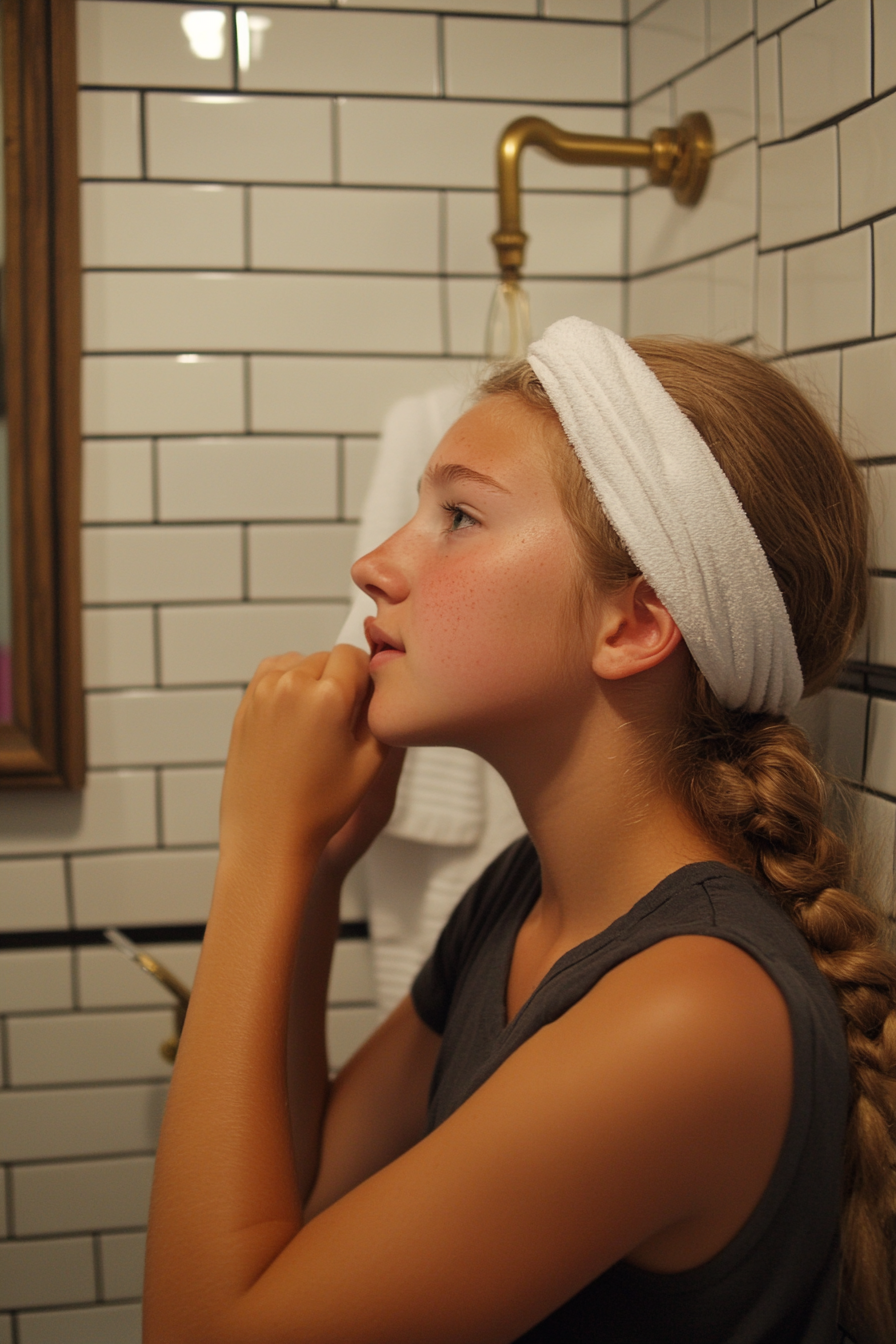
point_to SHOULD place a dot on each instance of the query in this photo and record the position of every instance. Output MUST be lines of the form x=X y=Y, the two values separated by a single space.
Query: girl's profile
x=644 y=1089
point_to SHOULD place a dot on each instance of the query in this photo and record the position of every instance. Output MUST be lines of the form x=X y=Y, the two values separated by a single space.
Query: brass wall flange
x=677 y=157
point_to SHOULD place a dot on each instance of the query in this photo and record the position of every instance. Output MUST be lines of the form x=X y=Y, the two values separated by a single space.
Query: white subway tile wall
x=280 y=240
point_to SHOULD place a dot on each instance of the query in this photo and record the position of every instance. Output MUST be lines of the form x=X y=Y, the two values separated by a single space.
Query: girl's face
x=476 y=629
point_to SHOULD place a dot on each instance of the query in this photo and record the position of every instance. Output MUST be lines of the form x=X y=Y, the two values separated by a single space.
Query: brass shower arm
x=677 y=157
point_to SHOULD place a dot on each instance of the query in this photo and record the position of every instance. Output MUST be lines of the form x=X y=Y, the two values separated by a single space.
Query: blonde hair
x=750 y=780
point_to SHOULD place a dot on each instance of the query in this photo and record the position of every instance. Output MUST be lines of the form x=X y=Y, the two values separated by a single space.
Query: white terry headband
x=676 y=512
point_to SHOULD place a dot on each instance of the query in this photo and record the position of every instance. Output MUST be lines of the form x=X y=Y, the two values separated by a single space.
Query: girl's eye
x=459 y=517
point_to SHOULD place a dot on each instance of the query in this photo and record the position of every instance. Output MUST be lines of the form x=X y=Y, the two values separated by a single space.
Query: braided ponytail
x=749 y=780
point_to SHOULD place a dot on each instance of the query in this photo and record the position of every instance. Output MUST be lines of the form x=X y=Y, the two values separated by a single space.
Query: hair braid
x=750 y=780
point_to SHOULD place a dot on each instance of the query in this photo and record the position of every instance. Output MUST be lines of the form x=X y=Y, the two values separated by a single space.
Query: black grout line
x=340 y=477
x=141 y=112
x=9 y=1201
x=349 y=931
x=97 y=1267
x=160 y=807
x=247 y=227
x=335 y=143
x=440 y=56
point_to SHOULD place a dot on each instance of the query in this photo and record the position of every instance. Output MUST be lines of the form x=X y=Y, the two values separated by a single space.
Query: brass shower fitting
x=178 y=990
x=674 y=156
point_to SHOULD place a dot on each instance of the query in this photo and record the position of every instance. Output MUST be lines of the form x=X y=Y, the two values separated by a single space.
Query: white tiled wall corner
x=880 y=767
x=770 y=302
x=773 y=14
x=826 y=63
x=818 y=377
x=877 y=818
x=569 y=234
x=882 y=643
x=119 y=647
x=834 y=721
x=829 y=291
x=723 y=88
x=117 y=485
x=711 y=299
x=882 y=492
x=667 y=39
x=728 y=20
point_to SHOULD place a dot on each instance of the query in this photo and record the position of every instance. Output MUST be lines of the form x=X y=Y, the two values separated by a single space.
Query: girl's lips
x=384 y=654
x=383 y=648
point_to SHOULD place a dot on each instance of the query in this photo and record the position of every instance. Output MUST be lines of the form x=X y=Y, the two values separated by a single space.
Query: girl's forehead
x=498 y=433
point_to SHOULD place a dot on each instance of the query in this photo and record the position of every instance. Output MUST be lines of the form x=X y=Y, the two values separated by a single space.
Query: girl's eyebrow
x=449 y=473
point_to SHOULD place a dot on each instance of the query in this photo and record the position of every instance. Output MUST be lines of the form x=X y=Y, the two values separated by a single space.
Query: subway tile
x=884 y=46
x=79 y=1122
x=869 y=399
x=119 y=647
x=469 y=301
x=826 y=63
x=237 y=138
x=768 y=89
x=834 y=722
x=770 y=301
x=6 y=1336
x=729 y=20
x=882 y=648
x=501 y=58
x=126 y=42
x=568 y=235
x=247 y=478
x=81 y=1196
x=650 y=112
x=441 y=143
x=161 y=224
x=106 y=979
x=347 y=1030
x=663 y=232
x=723 y=88
x=109 y=133
x=87 y=1047
x=46 y=1273
x=880 y=769
x=798 y=189
x=867 y=171
x=882 y=491
x=34 y=981
x=310 y=560
x=87 y=1325
x=572 y=9
x=117 y=481
x=335 y=51
x=773 y=14
x=115 y=809
x=319 y=395
x=158 y=886
x=360 y=459
x=818 y=378
x=885 y=276
x=221 y=310
x=191 y=800
x=32 y=892
x=159 y=727
x=667 y=40
x=351 y=974
x=123 y=1254
x=877 y=818
x=226 y=643
x=829 y=291
x=489 y=6
x=353 y=229
x=710 y=299
x=158 y=394
x=162 y=564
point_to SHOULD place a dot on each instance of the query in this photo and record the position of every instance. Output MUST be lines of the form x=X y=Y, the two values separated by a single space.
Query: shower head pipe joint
x=676 y=157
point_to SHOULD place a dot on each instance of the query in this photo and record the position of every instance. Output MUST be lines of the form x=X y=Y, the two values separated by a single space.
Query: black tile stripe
x=140 y=934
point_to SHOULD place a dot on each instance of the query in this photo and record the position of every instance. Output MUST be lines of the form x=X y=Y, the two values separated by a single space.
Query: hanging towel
x=453 y=813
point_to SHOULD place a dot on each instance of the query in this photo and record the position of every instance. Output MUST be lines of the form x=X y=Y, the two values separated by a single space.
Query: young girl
x=647 y=1072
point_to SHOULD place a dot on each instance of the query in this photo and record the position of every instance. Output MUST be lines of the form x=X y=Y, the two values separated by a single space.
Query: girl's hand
x=301 y=756
x=370 y=816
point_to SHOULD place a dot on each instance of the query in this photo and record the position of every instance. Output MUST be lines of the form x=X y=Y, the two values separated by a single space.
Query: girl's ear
x=635 y=632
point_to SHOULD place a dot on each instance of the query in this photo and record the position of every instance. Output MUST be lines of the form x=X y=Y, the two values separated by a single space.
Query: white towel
x=453 y=813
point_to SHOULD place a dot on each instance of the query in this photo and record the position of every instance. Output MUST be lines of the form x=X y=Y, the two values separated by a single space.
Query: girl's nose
x=380 y=574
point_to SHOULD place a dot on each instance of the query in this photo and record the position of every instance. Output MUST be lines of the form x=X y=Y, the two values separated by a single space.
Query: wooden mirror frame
x=44 y=745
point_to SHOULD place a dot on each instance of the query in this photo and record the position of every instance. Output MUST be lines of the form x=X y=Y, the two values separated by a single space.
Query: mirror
x=41 y=699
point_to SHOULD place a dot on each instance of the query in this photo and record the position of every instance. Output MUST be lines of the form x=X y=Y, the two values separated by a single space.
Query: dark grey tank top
x=776 y=1281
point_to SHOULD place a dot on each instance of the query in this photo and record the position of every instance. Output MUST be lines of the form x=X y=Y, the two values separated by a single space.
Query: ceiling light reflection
x=250 y=31
x=204 y=29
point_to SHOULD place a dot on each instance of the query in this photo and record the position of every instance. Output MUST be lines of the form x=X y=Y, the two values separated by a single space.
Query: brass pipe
x=175 y=987
x=677 y=157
